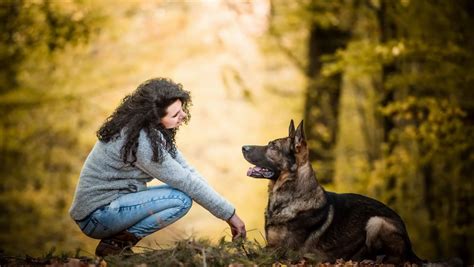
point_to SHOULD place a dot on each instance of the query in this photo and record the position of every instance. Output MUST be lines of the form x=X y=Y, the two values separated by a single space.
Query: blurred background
x=385 y=88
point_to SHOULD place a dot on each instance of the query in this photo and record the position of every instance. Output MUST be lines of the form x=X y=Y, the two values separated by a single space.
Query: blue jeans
x=141 y=213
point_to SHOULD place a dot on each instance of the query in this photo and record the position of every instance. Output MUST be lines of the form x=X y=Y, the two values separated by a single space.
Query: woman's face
x=174 y=115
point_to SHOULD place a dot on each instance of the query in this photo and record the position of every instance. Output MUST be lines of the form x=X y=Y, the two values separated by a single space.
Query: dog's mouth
x=260 y=172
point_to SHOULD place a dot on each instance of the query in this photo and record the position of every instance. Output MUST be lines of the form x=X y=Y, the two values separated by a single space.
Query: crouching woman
x=135 y=145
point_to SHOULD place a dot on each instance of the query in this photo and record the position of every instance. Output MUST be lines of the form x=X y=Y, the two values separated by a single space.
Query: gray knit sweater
x=104 y=177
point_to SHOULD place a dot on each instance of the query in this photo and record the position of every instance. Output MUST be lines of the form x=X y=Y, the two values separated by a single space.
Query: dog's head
x=280 y=155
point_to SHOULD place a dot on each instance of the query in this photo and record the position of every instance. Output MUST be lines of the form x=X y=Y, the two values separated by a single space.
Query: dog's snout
x=245 y=148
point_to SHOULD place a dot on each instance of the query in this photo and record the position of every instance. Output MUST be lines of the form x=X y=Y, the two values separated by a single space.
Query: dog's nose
x=245 y=148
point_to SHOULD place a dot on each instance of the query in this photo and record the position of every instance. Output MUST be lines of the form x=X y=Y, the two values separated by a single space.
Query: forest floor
x=189 y=253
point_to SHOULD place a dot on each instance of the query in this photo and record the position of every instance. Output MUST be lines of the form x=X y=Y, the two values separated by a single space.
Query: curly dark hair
x=143 y=109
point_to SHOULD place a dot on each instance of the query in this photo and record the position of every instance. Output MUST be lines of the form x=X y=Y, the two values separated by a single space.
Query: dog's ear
x=291 y=130
x=300 y=139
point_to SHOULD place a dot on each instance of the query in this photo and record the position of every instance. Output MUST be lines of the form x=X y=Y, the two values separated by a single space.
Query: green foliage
x=29 y=26
x=401 y=89
x=428 y=160
x=38 y=147
x=363 y=57
x=426 y=168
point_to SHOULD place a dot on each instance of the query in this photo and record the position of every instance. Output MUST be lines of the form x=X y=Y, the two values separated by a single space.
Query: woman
x=136 y=144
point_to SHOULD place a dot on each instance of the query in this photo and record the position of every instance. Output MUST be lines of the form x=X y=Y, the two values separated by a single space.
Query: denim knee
x=187 y=201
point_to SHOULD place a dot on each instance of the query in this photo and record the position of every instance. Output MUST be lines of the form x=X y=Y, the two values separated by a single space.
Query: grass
x=201 y=252
x=187 y=252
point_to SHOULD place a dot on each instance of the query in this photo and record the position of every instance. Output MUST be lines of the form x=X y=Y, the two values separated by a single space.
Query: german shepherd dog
x=302 y=216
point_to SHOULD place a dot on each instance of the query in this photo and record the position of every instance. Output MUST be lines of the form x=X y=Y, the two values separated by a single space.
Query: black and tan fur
x=302 y=216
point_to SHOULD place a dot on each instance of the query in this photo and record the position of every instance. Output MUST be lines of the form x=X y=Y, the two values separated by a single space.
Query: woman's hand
x=237 y=227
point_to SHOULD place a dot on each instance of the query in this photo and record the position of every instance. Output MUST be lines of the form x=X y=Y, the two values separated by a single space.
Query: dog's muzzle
x=257 y=171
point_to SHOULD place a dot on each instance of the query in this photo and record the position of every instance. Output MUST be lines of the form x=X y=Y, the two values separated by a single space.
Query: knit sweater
x=104 y=177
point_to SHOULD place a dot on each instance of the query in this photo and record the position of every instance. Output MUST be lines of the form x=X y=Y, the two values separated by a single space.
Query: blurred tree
x=37 y=25
x=389 y=107
x=37 y=140
x=428 y=102
x=307 y=31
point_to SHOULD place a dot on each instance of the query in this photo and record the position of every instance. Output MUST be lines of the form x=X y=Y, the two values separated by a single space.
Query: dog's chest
x=280 y=210
x=276 y=235
x=285 y=207
x=289 y=221
x=280 y=231
x=280 y=236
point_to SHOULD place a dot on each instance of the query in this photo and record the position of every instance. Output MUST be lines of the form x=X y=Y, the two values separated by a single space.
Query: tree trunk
x=322 y=99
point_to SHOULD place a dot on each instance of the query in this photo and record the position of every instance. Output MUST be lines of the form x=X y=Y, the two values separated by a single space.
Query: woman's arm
x=172 y=173
x=181 y=160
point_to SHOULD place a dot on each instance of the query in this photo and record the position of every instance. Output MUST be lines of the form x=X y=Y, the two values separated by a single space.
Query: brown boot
x=119 y=243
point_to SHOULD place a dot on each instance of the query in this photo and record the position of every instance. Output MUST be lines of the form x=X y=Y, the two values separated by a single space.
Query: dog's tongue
x=259 y=172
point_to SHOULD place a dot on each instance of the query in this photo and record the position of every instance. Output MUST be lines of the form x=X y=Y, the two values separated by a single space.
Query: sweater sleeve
x=182 y=161
x=171 y=172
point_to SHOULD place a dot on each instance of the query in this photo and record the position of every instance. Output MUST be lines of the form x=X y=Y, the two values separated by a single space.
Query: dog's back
x=363 y=228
